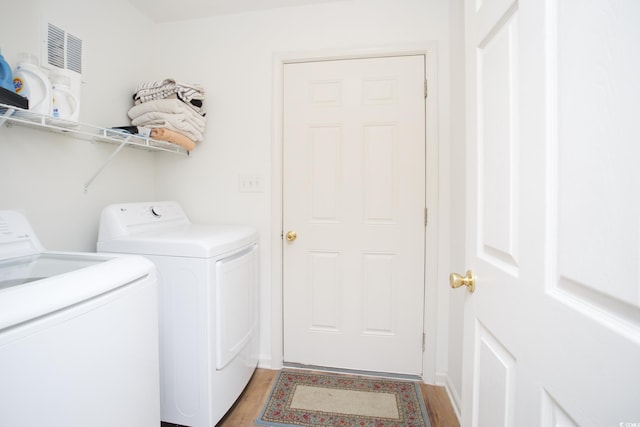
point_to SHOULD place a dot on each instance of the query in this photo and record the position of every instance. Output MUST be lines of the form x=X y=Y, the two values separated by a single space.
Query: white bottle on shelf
x=64 y=103
x=31 y=82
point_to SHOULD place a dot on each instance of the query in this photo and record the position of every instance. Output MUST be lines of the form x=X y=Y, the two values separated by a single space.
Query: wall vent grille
x=63 y=50
x=74 y=53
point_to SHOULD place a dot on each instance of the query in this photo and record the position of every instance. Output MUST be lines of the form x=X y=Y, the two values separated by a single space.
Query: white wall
x=43 y=174
x=232 y=56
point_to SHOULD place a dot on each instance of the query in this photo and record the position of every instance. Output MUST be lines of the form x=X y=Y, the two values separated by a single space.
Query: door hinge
x=424 y=342
x=426 y=217
x=426 y=89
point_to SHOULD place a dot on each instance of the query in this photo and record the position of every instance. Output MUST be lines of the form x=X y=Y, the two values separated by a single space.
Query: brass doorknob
x=456 y=280
x=291 y=236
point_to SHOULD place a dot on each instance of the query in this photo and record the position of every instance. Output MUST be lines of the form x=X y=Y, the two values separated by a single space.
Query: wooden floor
x=250 y=403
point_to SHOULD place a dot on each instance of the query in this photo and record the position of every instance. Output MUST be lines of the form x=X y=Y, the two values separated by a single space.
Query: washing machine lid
x=190 y=240
x=35 y=285
x=35 y=282
x=30 y=268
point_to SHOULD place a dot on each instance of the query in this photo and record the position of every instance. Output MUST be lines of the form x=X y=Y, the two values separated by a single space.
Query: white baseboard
x=454 y=397
x=265 y=362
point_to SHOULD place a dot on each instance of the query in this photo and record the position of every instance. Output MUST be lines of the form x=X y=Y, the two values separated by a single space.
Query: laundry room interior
x=478 y=150
x=62 y=182
x=232 y=56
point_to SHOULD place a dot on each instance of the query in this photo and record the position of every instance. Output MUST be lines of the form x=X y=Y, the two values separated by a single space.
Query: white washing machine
x=208 y=300
x=78 y=335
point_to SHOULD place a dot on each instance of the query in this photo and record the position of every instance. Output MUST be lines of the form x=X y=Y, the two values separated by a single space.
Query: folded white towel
x=172 y=106
x=182 y=117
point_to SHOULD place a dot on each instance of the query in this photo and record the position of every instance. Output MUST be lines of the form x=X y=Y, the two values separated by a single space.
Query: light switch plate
x=250 y=183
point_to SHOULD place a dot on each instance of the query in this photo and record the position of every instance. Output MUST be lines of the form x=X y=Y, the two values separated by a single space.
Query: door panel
x=593 y=281
x=496 y=225
x=495 y=382
x=498 y=147
x=553 y=231
x=603 y=133
x=354 y=192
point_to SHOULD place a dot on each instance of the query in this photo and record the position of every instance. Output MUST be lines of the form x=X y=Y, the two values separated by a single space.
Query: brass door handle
x=291 y=236
x=456 y=280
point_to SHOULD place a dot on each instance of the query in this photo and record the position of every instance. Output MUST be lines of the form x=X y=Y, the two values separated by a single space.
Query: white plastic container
x=31 y=82
x=64 y=103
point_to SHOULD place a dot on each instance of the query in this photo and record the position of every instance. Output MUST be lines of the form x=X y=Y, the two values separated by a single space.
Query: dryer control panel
x=130 y=218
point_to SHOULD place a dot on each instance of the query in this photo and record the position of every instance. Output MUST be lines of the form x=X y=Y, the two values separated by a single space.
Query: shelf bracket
x=104 y=165
x=6 y=114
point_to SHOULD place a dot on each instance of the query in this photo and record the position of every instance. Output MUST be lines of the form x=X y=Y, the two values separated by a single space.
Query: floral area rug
x=314 y=399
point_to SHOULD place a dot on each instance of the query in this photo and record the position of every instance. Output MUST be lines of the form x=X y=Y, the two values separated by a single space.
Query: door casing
x=436 y=303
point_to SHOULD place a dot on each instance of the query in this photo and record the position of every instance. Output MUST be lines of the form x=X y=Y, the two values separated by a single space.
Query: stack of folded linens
x=174 y=111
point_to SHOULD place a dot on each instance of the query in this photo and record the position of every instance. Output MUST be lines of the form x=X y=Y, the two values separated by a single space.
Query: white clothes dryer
x=78 y=335
x=208 y=304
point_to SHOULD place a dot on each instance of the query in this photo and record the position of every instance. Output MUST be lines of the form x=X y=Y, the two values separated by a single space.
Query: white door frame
x=432 y=160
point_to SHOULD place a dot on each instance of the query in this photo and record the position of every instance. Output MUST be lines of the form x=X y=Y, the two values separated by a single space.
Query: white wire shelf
x=21 y=117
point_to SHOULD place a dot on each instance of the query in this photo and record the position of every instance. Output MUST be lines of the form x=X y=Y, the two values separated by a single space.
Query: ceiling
x=179 y=10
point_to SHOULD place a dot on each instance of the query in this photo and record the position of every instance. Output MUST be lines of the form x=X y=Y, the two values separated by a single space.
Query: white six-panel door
x=552 y=331
x=354 y=194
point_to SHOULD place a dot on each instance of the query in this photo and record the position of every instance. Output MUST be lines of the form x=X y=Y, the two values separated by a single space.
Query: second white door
x=354 y=195
x=552 y=330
